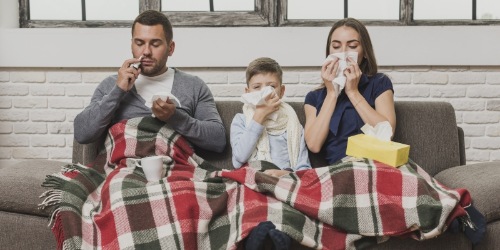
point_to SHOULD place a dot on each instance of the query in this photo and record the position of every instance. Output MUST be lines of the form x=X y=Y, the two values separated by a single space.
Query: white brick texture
x=237 y=77
x=81 y=90
x=310 y=78
x=430 y=78
x=493 y=78
x=30 y=128
x=5 y=103
x=47 y=90
x=37 y=106
x=48 y=141
x=467 y=78
x=14 y=90
x=4 y=76
x=66 y=103
x=64 y=77
x=30 y=102
x=493 y=105
x=27 y=76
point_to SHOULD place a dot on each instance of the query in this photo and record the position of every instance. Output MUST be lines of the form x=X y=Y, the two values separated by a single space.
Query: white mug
x=152 y=167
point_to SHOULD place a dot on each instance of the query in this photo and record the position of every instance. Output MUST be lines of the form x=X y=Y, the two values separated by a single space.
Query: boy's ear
x=282 y=91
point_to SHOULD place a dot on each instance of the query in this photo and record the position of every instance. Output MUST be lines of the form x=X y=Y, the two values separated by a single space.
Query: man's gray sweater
x=197 y=120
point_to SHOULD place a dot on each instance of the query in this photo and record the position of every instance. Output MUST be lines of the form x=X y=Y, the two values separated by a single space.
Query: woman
x=367 y=97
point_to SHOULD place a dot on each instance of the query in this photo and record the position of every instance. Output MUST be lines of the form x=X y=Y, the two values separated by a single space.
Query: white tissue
x=163 y=96
x=257 y=98
x=340 y=79
x=381 y=131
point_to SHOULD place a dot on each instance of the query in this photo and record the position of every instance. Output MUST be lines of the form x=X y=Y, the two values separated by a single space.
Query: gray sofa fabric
x=436 y=144
x=482 y=180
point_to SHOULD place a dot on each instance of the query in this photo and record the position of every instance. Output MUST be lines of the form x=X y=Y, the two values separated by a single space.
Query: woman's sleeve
x=311 y=98
x=383 y=84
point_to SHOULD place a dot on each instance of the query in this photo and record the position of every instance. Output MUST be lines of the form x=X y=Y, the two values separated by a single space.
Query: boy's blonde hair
x=263 y=65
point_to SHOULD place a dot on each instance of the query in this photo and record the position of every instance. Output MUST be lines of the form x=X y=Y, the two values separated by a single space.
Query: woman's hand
x=353 y=74
x=328 y=73
x=272 y=103
x=276 y=173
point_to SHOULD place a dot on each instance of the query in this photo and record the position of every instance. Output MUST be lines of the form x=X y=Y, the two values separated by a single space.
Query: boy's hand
x=272 y=104
x=276 y=173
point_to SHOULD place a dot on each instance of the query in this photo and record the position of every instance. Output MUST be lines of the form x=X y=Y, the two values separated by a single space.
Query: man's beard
x=154 y=71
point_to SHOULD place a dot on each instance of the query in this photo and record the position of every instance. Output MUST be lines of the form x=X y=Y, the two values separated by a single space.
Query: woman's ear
x=247 y=90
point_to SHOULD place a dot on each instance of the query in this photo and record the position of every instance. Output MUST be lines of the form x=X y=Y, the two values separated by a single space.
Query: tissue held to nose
x=258 y=97
x=340 y=79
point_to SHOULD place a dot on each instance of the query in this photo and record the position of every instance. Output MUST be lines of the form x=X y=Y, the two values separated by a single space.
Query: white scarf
x=287 y=121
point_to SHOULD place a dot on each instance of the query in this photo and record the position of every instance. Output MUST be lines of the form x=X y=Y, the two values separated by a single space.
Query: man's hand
x=163 y=110
x=127 y=74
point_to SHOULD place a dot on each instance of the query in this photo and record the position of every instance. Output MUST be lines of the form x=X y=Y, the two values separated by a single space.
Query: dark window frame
x=267 y=13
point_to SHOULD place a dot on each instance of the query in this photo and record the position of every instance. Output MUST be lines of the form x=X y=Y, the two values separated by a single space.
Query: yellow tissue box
x=388 y=152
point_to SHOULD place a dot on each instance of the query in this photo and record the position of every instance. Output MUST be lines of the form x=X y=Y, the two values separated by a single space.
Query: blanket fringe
x=52 y=197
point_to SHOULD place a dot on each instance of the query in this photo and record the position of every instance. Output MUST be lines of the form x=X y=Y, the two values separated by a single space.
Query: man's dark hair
x=153 y=17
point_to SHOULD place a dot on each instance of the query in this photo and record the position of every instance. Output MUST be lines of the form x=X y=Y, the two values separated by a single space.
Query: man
x=127 y=94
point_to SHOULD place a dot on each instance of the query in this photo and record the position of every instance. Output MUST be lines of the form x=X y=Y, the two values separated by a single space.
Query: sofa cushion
x=20 y=185
x=481 y=179
x=430 y=128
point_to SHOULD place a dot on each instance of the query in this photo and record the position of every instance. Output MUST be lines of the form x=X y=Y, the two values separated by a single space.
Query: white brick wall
x=37 y=106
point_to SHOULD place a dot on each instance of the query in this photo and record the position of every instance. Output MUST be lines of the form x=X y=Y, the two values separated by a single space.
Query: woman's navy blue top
x=345 y=120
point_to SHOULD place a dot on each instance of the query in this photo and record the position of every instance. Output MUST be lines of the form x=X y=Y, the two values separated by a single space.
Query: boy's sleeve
x=243 y=139
x=303 y=162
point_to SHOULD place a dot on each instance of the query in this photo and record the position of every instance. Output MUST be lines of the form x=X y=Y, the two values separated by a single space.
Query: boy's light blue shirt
x=244 y=141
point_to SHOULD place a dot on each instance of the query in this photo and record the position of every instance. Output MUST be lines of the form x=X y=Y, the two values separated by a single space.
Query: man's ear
x=171 y=48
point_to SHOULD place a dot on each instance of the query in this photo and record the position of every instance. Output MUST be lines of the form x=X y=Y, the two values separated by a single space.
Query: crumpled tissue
x=163 y=96
x=340 y=79
x=376 y=144
x=257 y=98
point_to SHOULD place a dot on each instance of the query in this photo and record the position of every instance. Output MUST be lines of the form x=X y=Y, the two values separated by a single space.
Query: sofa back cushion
x=227 y=110
x=428 y=127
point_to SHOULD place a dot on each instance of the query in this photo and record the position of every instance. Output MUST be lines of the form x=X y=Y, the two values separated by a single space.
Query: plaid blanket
x=109 y=204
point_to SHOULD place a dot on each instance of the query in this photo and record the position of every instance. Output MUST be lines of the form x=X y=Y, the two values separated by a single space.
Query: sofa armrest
x=461 y=144
x=84 y=153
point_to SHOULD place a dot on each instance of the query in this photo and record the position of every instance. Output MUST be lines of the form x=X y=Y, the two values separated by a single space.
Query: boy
x=270 y=130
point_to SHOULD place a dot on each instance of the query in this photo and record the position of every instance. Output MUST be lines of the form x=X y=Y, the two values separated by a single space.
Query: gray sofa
x=437 y=144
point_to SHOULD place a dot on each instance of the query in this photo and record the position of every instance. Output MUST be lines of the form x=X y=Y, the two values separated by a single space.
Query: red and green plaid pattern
x=110 y=205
